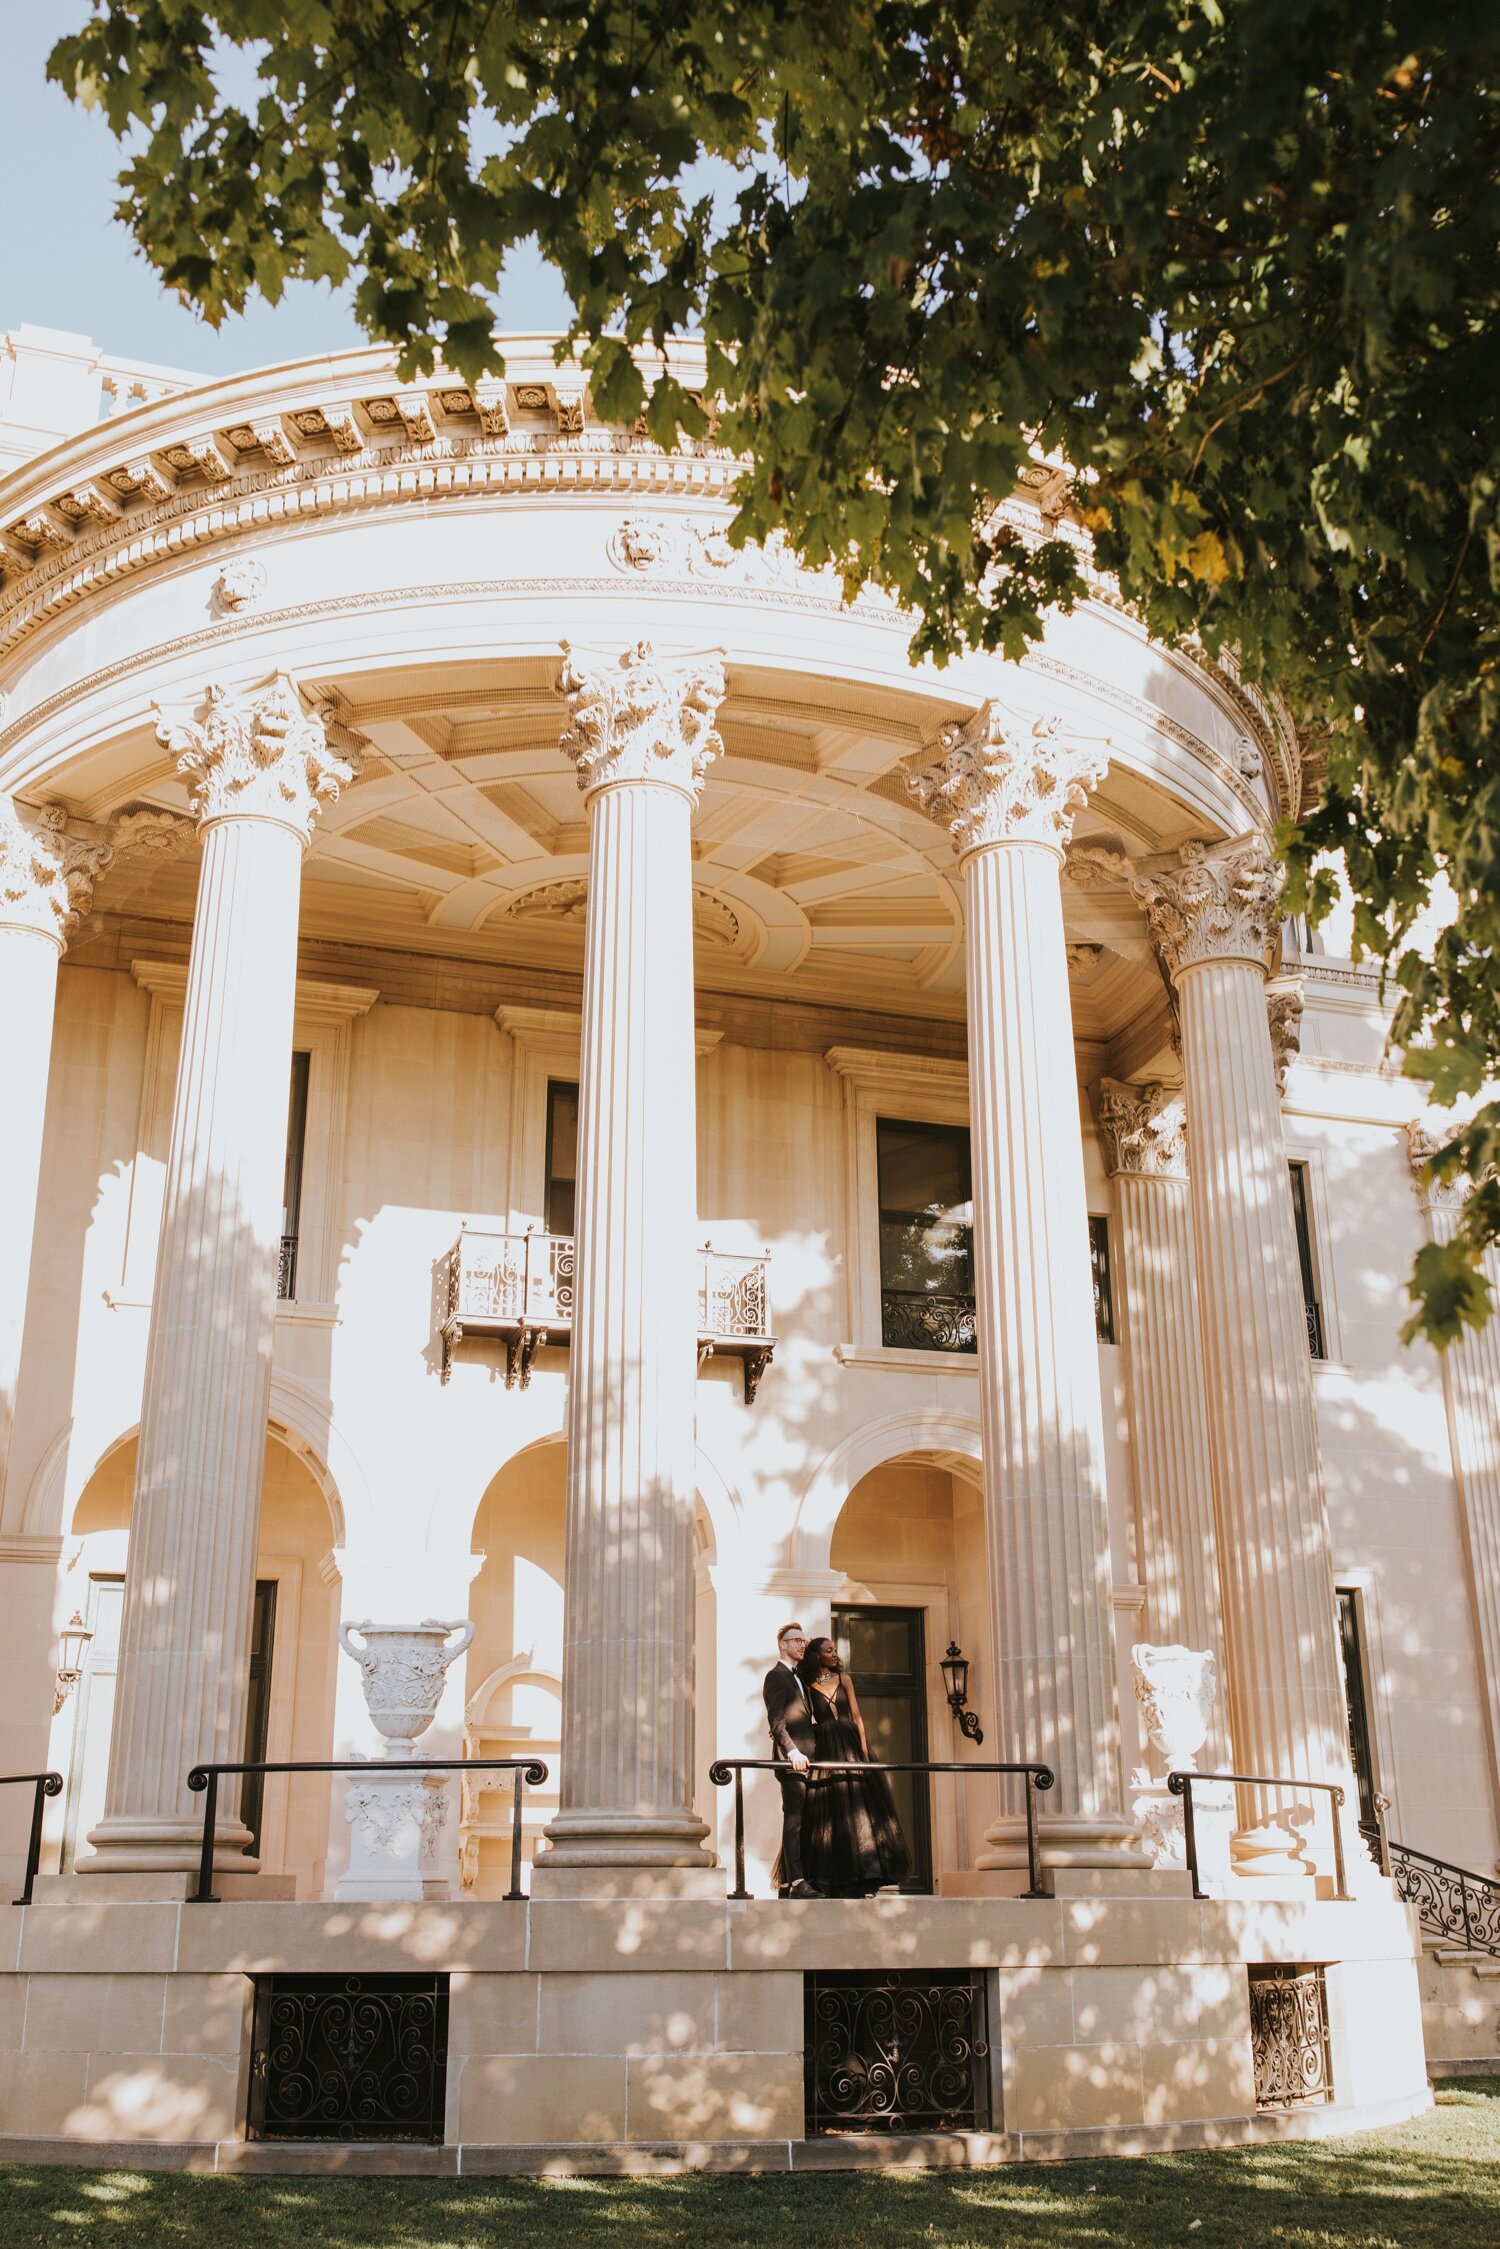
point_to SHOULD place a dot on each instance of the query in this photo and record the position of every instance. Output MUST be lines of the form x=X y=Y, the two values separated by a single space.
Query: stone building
x=554 y=1079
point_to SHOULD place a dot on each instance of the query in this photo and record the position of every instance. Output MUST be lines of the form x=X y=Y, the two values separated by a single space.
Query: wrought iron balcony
x=913 y=1320
x=1314 y=1312
x=286 y=1268
x=520 y=1287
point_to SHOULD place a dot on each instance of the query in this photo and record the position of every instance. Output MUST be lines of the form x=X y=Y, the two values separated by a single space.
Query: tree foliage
x=1234 y=261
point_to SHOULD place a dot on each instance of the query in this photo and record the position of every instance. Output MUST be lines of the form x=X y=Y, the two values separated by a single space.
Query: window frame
x=915 y=1089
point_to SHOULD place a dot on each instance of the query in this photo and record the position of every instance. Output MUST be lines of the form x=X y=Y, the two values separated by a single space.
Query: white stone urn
x=1176 y=1688
x=404 y=1666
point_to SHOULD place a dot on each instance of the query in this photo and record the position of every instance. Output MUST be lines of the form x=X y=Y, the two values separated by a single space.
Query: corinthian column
x=1143 y=1129
x=1007 y=792
x=641 y=736
x=46 y=882
x=258 y=767
x=1471 y=1391
x=1212 y=917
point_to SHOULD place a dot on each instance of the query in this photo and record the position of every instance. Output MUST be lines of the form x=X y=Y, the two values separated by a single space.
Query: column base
x=1109 y=1840
x=128 y=1845
x=625 y=1839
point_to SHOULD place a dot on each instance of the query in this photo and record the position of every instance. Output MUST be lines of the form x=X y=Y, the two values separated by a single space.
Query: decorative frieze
x=47 y=873
x=1002 y=778
x=1221 y=902
x=257 y=753
x=1143 y=1127
x=642 y=719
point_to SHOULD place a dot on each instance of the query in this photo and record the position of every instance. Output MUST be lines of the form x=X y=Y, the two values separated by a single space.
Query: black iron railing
x=45 y=1784
x=1314 y=1311
x=1182 y=1784
x=725 y=1769
x=204 y=1780
x=1452 y=1902
x=916 y=1320
x=286 y=1268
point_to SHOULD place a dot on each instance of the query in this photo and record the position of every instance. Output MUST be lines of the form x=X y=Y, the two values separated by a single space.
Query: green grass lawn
x=1431 y=2184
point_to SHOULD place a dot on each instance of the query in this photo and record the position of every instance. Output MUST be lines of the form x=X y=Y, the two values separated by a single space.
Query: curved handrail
x=1180 y=1783
x=45 y=1784
x=1452 y=1901
x=1038 y=1778
x=204 y=1780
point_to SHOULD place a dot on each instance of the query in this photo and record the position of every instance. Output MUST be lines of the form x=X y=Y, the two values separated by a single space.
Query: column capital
x=1220 y=902
x=1003 y=778
x=642 y=718
x=256 y=753
x=47 y=872
x=1422 y=1144
x=1143 y=1127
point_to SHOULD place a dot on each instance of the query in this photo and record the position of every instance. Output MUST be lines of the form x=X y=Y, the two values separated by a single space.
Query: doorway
x=886 y=1651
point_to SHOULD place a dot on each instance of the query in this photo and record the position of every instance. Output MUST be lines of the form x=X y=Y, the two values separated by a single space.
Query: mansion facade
x=557 y=1082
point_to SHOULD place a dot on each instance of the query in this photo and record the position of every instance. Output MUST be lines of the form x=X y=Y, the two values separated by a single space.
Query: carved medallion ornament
x=1144 y=1129
x=1220 y=902
x=46 y=875
x=149 y=834
x=256 y=754
x=239 y=586
x=567 y=901
x=642 y=719
x=1005 y=779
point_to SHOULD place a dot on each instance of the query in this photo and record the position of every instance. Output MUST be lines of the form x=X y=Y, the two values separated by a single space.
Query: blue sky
x=66 y=262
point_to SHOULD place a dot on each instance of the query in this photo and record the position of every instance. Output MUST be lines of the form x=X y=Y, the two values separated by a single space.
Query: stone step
x=1456 y=1956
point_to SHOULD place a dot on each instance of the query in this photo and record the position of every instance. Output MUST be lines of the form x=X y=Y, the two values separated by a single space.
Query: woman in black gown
x=852 y=1844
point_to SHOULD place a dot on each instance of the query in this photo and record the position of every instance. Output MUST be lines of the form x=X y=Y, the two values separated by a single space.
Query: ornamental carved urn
x=403 y=1667
x=1176 y=1688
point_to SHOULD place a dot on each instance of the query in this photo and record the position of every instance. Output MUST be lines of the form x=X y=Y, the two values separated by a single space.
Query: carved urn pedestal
x=396 y=1812
x=1176 y=1688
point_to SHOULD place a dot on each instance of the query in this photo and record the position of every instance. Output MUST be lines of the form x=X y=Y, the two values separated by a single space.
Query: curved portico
x=619 y=902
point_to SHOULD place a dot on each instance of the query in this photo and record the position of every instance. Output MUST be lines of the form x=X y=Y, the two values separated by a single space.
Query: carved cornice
x=1143 y=1128
x=1284 y=1020
x=256 y=754
x=1221 y=902
x=1000 y=778
x=642 y=719
x=47 y=872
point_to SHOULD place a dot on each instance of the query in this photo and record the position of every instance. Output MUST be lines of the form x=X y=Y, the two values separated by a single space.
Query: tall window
x=1104 y=1301
x=1300 y=1214
x=291 y=1192
x=926 y=1236
x=562 y=1156
x=1357 y=1696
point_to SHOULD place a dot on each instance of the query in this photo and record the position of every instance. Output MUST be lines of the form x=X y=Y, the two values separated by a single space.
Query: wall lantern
x=956 y=1673
x=75 y=1640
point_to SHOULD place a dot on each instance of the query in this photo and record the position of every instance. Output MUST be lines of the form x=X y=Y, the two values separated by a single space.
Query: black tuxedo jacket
x=787 y=1714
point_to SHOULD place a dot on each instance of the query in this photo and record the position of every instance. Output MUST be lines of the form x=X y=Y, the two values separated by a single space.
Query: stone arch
x=934 y=1431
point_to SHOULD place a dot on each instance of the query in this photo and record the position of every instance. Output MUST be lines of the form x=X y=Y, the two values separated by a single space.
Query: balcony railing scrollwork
x=918 y=1320
x=519 y=1287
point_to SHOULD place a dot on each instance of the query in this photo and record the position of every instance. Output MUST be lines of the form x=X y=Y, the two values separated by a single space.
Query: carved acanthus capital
x=1144 y=1129
x=644 y=718
x=1422 y=1144
x=256 y=753
x=47 y=872
x=1284 y=1019
x=1004 y=779
x=1220 y=902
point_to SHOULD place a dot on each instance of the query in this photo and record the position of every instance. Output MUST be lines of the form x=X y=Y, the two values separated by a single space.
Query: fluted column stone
x=1212 y=916
x=1471 y=1392
x=1007 y=790
x=641 y=735
x=47 y=875
x=258 y=767
x=1144 y=1134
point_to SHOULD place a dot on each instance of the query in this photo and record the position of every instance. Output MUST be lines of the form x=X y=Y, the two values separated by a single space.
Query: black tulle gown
x=852 y=1842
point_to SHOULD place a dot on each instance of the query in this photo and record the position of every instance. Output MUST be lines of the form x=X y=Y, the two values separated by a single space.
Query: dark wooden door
x=885 y=1650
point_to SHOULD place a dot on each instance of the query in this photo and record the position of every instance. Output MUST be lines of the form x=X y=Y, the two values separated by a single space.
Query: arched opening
x=513 y=1692
x=294 y=1649
x=910 y=1543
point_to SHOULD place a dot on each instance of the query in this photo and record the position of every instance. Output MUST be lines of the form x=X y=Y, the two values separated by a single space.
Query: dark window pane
x=1104 y=1302
x=926 y=1208
x=291 y=1192
x=562 y=1156
x=1303 y=1222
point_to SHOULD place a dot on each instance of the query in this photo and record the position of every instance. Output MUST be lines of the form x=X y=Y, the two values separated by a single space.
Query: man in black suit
x=792 y=1744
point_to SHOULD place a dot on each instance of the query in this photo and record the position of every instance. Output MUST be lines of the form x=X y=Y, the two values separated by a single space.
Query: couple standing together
x=840 y=1836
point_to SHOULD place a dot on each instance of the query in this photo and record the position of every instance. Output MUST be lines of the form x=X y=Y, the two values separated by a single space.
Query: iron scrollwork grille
x=1289 y=2037
x=912 y=1320
x=348 y=2058
x=902 y=2051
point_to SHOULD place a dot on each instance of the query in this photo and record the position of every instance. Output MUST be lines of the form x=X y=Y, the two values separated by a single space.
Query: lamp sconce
x=75 y=1639
x=956 y=1673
